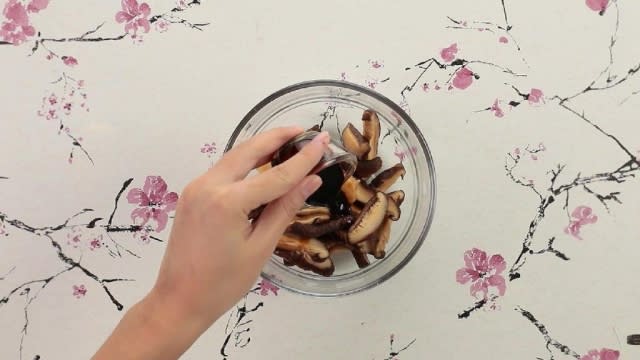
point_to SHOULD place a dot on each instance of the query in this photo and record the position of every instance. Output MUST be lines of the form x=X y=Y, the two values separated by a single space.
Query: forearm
x=151 y=330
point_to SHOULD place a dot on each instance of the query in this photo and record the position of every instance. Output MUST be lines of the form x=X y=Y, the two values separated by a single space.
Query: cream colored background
x=153 y=106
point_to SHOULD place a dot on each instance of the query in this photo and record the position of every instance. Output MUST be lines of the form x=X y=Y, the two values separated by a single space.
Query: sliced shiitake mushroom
x=356 y=190
x=312 y=247
x=370 y=218
x=354 y=142
x=361 y=258
x=371 y=125
x=355 y=210
x=387 y=178
x=368 y=245
x=302 y=260
x=318 y=229
x=383 y=235
x=366 y=168
x=393 y=210
x=312 y=215
x=397 y=196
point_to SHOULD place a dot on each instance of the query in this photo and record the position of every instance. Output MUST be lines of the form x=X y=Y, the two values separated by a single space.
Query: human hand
x=215 y=254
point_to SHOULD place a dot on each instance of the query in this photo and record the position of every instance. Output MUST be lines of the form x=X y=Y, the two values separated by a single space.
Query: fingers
x=281 y=179
x=278 y=214
x=244 y=157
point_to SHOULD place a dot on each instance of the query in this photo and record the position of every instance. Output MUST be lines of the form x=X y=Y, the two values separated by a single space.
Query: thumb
x=278 y=214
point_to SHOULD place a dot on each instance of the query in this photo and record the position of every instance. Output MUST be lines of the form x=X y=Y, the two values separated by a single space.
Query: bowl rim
x=421 y=140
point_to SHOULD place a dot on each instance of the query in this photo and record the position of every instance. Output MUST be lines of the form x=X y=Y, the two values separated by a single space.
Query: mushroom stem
x=319 y=229
x=371 y=125
x=354 y=142
x=387 y=178
x=366 y=168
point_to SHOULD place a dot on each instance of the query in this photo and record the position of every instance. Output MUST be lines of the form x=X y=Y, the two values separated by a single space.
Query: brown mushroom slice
x=316 y=230
x=368 y=245
x=370 y=218
x=312 y=247
x=371 y=126
x=366 y=168
x=355 y=210
x=361 y=259
x=383 y=234
x=312 y=215
x=387 y=178
x=355 y=190
x=354 y=142
x=393 y=210
x=323 y=267
x=397 y=196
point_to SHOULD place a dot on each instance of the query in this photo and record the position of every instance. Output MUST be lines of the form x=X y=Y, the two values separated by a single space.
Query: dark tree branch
x=550 y=249
x=393 y=353
x=550 y=342
x=124 y=187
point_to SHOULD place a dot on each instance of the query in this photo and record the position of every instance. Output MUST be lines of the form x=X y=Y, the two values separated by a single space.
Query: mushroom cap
x=370 y=218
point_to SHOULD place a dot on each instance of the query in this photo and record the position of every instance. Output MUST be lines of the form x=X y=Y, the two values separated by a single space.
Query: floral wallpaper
x=532 y=122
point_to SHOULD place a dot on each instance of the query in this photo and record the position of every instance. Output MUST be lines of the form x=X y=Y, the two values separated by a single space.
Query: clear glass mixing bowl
x=334 y=104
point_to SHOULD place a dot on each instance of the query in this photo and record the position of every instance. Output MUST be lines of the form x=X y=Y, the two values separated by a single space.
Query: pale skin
x=214 y=254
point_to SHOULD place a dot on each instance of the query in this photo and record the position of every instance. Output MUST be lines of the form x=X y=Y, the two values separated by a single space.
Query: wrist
x=152 y=329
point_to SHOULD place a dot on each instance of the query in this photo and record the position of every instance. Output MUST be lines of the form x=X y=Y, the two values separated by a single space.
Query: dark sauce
x=329 y=194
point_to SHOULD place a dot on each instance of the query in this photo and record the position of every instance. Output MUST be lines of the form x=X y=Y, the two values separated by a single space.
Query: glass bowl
x=333 y=104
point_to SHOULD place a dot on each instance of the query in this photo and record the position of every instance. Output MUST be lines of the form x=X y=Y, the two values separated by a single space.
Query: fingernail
x=310 y=185
x=322 y=138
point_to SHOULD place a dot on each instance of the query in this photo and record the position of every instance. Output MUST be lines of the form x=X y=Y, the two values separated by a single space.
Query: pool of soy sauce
x=329 y=194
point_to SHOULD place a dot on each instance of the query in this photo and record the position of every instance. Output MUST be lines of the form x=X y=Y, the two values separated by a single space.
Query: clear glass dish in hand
x=332 y=105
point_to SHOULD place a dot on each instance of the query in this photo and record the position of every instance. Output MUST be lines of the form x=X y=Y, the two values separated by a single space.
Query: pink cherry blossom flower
x=581 y=215
x=134 y=16
x=69 y=60
x=503 y=39
x=483 y=273
x=162 y=25
x=534 y=157
x=37 y=5
x=425 y=87
x=401 y=154
x=96 y=243
x=535 y=95
x=154 y=202
x=267 y=286
x=15 y=28
x=79 y=291
x=598 y=5
x=371 y=83
x=181 y=4
x=449 y=53
x=463 y=78
x=497 y=111
x=603 y=354
x=74 y=237
x=375 y=64
x=209 y=149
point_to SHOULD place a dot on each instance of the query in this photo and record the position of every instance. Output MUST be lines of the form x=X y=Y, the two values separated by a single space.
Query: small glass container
x=336 y=165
